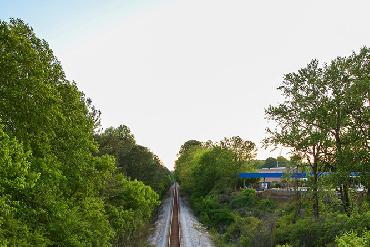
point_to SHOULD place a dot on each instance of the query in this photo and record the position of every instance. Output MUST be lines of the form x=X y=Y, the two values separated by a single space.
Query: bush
x=244 y=231
x=308 y=232
x=351 y=239
x=246 y=198
x=212 y=213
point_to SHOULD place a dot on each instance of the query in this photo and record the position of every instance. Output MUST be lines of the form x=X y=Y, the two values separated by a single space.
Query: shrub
x=351 y=239
x=212 y=213
x=246 y=198
x=308 y=232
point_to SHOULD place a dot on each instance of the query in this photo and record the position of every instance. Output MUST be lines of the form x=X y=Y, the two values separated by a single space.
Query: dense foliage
x=135 y=161
x=208 y=174
x=56 y=189
x=204 y=167
x=324 y=121
x=271 y=162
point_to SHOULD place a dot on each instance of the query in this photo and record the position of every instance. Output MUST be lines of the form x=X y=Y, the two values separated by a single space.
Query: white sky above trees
x=191 y=69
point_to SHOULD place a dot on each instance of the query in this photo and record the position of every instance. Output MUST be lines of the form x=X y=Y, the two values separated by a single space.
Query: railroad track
x=174 y=234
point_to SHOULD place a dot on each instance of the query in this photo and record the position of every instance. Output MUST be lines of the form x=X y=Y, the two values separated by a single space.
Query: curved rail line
x=174 y=234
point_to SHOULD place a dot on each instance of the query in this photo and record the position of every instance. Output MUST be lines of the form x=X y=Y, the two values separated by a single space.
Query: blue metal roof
x=271 y=175
x=281 y=174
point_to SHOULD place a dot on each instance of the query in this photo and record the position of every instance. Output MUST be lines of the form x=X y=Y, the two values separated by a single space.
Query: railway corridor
x=177 y=226
x=174 y=239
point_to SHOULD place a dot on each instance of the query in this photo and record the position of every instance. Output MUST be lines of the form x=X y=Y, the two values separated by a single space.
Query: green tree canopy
x=321 y=118
x=51 y=177
x=135 y=161
x=270 y=162
x=243 y=150
x=189 y=144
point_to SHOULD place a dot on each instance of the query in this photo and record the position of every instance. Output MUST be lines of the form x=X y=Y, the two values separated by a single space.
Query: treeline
x=270 y=162
x=135 y=161
x=203 y=167
x=57 y=186
x=324 y=121
x=208 y=175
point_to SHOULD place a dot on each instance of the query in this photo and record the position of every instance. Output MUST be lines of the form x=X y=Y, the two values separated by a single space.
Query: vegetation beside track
x=62 y=182
x=323 y=120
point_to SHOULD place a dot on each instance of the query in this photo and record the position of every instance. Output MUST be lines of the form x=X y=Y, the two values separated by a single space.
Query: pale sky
x=191 y=69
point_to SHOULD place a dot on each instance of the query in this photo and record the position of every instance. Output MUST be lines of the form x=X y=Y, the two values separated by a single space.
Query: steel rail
x=174 y=237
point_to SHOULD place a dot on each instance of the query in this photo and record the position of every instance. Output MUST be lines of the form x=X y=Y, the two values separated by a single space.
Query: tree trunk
x=315 y=204
x=345 y=201
x=344 y=189
x=298 y=201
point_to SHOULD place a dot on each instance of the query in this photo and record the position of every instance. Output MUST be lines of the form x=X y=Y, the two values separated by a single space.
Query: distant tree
x=282 y=161
x=185 y=166
x=243 y=150
x=209 y=144
x=135 y=161
x=189 y=144
x=202 y=167
x=269 y=163
x=216 y=170
x=117 y=142
x=252 y=165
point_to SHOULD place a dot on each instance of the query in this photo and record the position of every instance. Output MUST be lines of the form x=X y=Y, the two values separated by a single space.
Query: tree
x=116 y=141
x=17 y=179
x=201 y=168
x=322 y=118
x=296 y=120
x=281 y=161
x=346 y=96
x=135 y=161
x=51 y=175
x=129 y=206
x=216 y=170
x=52 y=119
x=185 y=166
x=189 y=144
x=243 y=150
x=270 y=162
